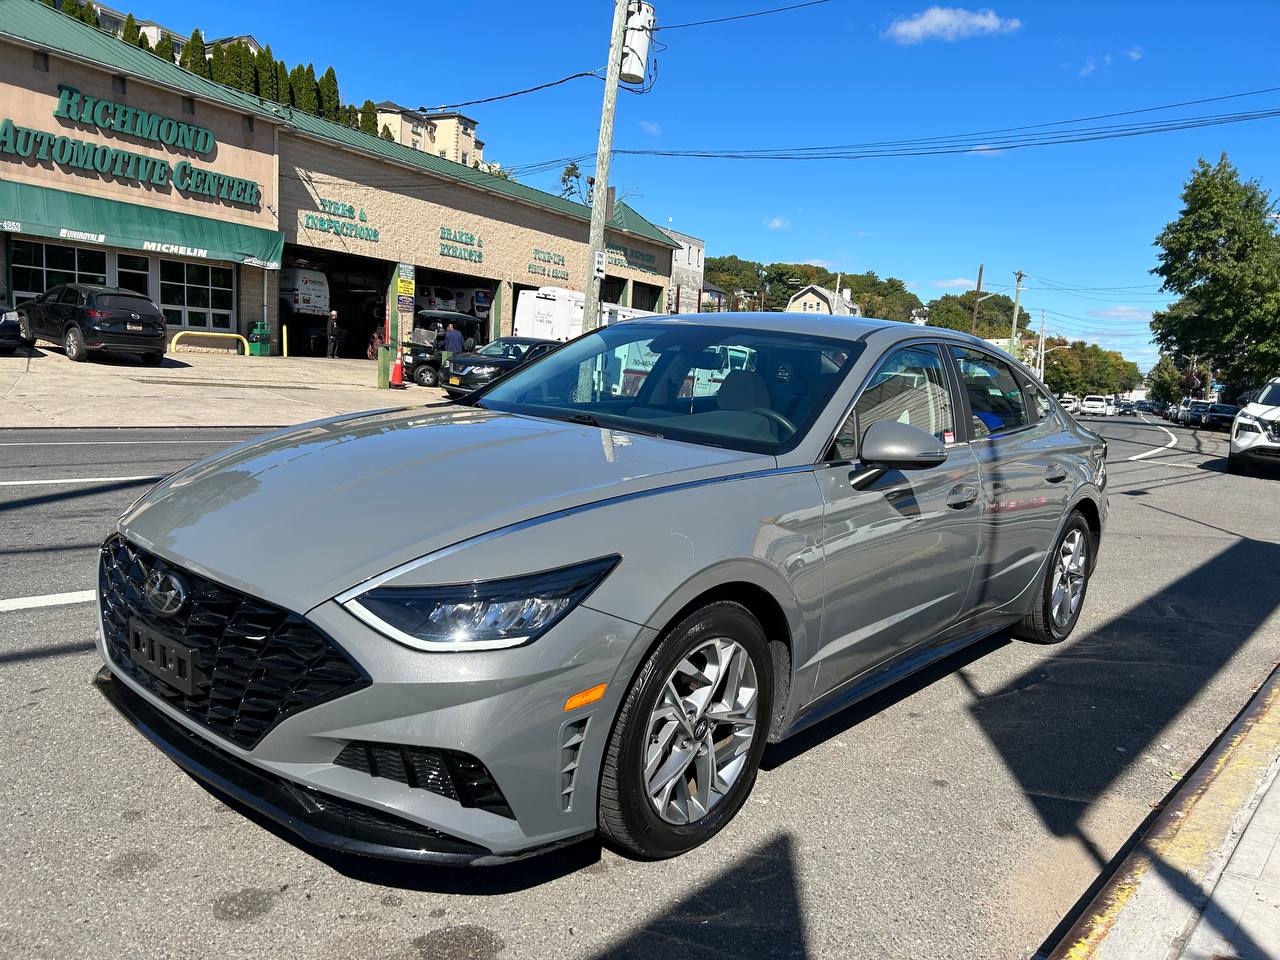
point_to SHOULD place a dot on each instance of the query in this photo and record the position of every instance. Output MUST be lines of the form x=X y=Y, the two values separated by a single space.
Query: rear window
x=120 y=301
x=1093 y=399
x=1222 y=408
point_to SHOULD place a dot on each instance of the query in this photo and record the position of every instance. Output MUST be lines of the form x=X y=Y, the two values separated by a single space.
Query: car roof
x=529 y=340
x=446 y=315
x=99 y=288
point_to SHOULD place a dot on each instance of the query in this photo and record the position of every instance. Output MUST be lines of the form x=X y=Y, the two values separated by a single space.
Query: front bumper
x=504 y=708
x=466 y=383
x=1259 y=445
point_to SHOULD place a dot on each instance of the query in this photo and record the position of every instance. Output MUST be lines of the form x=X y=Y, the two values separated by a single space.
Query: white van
x=473 y=300
x=303 y=292
x=555 y=313
x=1094 y=405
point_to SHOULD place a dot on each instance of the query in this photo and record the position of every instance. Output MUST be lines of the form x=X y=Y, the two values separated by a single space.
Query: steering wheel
x=770 y=414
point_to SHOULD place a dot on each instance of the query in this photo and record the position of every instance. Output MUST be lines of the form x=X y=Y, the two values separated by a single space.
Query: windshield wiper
x=591 y=421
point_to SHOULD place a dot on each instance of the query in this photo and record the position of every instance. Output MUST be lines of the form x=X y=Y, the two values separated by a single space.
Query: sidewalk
x=41 y=388
x=1204 y=882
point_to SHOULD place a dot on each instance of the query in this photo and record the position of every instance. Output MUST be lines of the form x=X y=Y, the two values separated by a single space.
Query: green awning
x=79 y=218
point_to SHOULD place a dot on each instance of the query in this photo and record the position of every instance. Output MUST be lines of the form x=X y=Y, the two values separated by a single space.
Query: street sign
x=599 y=268
x=404 y=304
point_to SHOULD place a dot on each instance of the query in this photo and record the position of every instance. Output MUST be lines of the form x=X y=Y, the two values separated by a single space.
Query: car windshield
x=506 y=349
x=755 y=390
x=1269 y=395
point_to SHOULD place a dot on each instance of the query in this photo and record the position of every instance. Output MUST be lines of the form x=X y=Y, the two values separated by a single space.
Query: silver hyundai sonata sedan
x=585 y=598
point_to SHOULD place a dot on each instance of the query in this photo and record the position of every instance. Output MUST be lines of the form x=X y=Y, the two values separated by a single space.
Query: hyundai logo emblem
x=166 y=592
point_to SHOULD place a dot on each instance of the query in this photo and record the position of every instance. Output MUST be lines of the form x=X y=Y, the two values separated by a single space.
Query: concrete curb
x=1155 y=897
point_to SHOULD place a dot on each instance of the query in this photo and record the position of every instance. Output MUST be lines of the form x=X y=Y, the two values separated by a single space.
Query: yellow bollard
x=284 y=338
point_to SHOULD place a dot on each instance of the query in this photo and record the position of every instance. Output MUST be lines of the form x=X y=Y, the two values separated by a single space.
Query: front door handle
x=961 y=495
x=1056 y=473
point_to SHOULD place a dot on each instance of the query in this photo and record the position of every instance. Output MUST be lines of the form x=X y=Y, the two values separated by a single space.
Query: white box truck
x=555 y=313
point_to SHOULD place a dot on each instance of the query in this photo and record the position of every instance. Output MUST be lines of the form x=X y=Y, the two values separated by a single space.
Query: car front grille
x=252 y=663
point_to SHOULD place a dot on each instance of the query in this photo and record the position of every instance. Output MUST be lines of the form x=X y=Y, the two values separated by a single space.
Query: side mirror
x=898 y=446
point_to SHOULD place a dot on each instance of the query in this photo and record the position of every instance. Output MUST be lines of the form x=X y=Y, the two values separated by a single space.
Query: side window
x=1041 y=406
x=995 y=396
x=909 y=387
x=71 y=296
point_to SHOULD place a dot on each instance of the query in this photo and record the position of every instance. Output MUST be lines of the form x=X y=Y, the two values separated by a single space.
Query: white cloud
x=652 y=127
x=776 y=223
x=959 y=283
x=1136 y=314
x=1134 y=53
x=1090 y=65
x=819 y=262
x=949 y=24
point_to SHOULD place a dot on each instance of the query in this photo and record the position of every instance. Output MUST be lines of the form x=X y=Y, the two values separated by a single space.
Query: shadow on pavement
x=43 y=653
x=75 y=493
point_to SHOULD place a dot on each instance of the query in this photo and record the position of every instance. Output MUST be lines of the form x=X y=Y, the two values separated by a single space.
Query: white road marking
x=36 y=483
x=48 y=600
x=101 y=443
x=1173 y=442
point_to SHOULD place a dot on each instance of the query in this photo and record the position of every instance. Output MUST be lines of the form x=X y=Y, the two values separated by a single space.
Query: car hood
x=1261 y=411
x=299 y=516
x=480 y=360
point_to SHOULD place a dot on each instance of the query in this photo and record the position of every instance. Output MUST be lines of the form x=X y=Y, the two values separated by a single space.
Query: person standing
x=453 y=343
x=333 y=334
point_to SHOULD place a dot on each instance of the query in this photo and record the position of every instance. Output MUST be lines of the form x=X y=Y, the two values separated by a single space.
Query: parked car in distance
x=1093 y=406
x=9 y=336
x=1219 y=416
x=421 y=351
x=1069 y=402
x=466 y=372
x=601 y=626
x=303 y=293
x=436 y=298
x=1194 y=411
x=84 y=318
x=1127 y=408
x=1255 y=433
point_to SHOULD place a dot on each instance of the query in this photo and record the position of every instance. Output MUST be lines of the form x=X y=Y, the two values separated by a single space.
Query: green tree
x=218 y=69
x=732 y=273
x=386 y=133
x=302 y=89
x=130 y=33
x=264 y=69
x=572 y=184
x=144 y=43
x=328 y=95
x=164 y=47
x=283 y=93
x=995 y=313
x=369 y=118
x=1164 y=382
x=193 y=57
x=1222 y=257
x=246 y=69
x=499 y=171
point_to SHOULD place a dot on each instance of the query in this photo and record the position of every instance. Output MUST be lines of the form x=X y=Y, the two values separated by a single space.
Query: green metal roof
x=34 y=23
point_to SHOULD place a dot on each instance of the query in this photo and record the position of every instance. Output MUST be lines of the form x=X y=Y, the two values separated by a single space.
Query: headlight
x=484 y=371
x=485 y=615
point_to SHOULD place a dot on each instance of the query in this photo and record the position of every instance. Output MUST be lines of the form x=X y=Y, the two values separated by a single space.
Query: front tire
x=24 y=332
x=73 y=344
x=689 y=735
x=1062 y=591
x=425 y=376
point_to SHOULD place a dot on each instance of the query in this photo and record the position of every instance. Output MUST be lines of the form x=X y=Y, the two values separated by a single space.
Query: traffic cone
x=397 y=371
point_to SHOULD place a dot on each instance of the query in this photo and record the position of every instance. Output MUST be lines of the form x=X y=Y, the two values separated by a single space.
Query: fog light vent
x=572 y=735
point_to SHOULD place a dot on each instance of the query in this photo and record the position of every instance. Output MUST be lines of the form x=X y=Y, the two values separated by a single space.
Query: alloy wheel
x=1069 y=576
x=700 y=731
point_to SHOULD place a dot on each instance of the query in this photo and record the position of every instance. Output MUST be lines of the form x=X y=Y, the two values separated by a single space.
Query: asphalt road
x=962 y=815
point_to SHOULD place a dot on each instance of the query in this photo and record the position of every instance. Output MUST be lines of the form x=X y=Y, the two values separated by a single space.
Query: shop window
x=133 y=273
x=39 y=266
x=197 y=295
x=40 y=61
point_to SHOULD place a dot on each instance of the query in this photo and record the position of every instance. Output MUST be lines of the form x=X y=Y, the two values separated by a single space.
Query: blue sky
x=846 y=71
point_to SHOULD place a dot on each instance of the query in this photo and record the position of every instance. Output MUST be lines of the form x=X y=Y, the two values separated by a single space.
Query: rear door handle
x=961 y=495
x=1056 y=474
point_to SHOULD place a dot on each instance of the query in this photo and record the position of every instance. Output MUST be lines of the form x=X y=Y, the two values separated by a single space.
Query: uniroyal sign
x=43 y=147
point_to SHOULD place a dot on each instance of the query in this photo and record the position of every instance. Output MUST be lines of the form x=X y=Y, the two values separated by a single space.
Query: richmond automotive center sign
x=40 y=147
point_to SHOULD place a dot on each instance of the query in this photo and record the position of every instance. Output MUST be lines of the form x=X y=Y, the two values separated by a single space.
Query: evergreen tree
x=144 y=43
x=386 y=133
x=88 y=15
x=353 y=116
x=131 y=33
x=164 y=48
x=246 y=69
x=282 y=84
x=218 y=64
x=327 y=93
x=264 y=69
x=313 y=90
x=369 y=118
x=193 y=57
x=302 y=89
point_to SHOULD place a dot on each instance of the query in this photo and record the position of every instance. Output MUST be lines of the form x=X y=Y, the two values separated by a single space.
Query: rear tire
x=24 y=332
x=73 y=344
x=1064 y=585
x=714 y=664
x=425 y=376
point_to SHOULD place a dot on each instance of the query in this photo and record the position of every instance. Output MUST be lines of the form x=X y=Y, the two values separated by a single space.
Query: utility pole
x=977 y=296
x=604 y=151
x=1013 y=327
x=1040 y=352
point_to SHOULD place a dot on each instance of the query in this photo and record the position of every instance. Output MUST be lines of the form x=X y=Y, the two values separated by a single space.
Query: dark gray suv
x=665 y=545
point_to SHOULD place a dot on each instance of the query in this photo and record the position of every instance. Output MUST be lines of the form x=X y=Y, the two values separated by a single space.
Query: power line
x=741 y=16
x=514 y=93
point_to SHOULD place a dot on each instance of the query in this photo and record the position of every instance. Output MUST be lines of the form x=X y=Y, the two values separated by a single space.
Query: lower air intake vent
x=571 y=737
x=446 y=773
